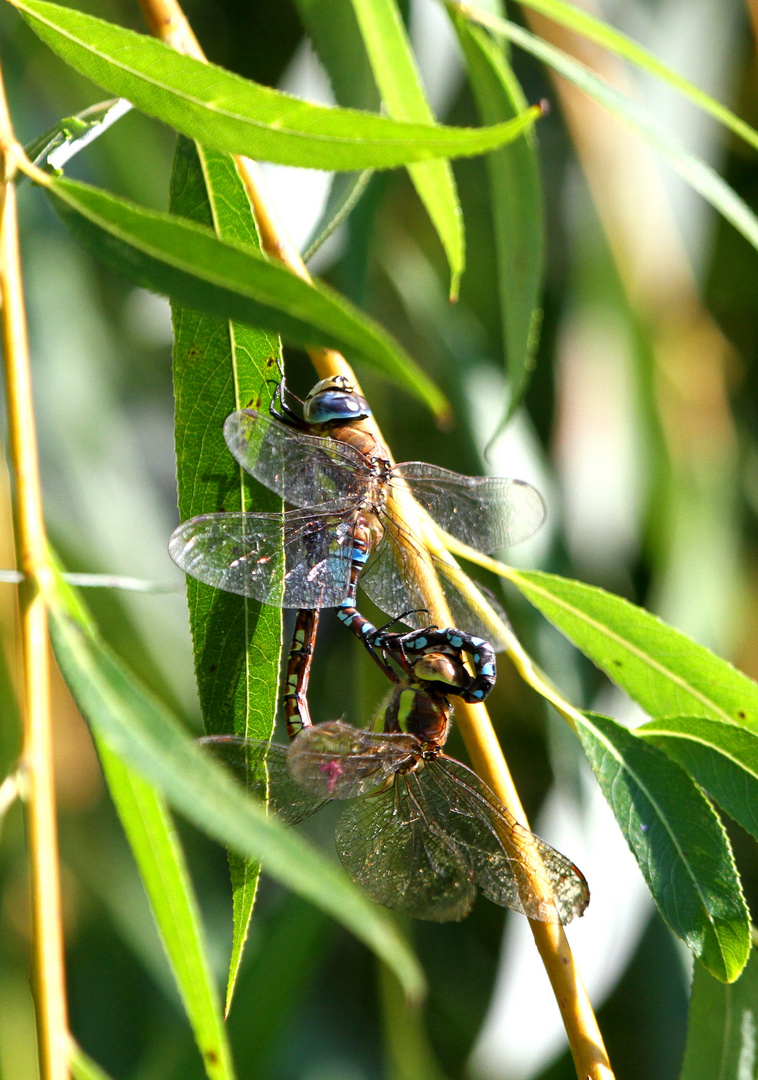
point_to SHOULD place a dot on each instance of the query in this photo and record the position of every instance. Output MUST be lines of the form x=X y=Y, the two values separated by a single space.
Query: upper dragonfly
x=348 y=497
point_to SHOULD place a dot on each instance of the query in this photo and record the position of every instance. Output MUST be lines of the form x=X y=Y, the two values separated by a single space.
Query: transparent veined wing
x=338 y=761
x=486 y=512
x=506 y=857
x=392 y=581
x=303 y=469
x=385 y=844
x=261 y=768
x=298 y=559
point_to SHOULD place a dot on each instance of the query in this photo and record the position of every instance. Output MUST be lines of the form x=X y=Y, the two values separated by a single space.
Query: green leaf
x=160 y=859
x=516 y=199
x=83 y=1067
x=661 y=668
x=333 y=28
x=701 y=177
x=721 y=1027
x=596 y=30
x=141 y=731
x=722 y=758
x=223 y=111
x=678 y=841
x=197 y=270
x=221 y=366
x=398 y=79
x=344 y=195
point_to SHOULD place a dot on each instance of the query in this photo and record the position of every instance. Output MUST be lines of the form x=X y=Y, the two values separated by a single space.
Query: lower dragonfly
x=421 y=833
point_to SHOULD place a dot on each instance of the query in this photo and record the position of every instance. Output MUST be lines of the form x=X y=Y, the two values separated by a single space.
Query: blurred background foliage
x=640 y=427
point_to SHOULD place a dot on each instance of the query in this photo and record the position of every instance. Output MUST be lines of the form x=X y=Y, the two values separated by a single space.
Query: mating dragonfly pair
x=423 y=831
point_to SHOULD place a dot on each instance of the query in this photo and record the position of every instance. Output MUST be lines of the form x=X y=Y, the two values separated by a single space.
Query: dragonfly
x=347 y=519
x=420 y=832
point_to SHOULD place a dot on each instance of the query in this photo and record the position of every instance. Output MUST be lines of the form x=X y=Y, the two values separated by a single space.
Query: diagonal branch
x=166 y=21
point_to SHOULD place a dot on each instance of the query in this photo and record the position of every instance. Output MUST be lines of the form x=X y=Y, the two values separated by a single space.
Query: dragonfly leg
x=296 y=712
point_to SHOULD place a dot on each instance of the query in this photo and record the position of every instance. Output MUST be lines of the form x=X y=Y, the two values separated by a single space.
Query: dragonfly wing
x=507 y=858
x=339 y=761
x=261 y=768
x=486 y=512
x=384 y=843
x=392 y=581
x=297 y=559
x=303 y=469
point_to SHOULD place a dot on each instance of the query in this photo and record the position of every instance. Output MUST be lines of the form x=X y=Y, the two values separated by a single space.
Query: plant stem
x=167 y=21
x=31 y=545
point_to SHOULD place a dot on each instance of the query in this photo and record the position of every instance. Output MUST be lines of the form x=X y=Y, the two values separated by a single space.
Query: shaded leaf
x=398 y=79
x=722 y=1035
x=83 y=1067
x=141 y=731
x=160 y=860
x=344 y=195
x=219 y=367
x=693 y=170
x=722 y=758
x=222 y=110
x=516 y=200
x=594 y=29
x=661 y=668
x=678 y=841
x=197 y=270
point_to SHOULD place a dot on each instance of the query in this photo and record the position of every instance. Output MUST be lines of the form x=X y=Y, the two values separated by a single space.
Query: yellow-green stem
x=37 y=763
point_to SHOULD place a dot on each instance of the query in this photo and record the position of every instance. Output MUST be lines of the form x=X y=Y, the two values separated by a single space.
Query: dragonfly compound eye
x=334 y=401
x=437 y=667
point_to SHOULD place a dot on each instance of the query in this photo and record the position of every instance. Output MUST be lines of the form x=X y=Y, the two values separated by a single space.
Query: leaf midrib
x=634 y=650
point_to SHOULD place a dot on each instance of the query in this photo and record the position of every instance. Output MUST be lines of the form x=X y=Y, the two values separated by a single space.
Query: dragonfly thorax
x=334 y=400
x=425 y=713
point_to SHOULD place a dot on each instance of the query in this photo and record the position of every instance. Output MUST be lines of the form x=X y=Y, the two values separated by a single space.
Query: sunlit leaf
x=197 y=270
x=222 y=110
x=722 y=1027
x=692 y=169
x=160 y=860
x=145 y=736
x=219 y=367
x=516 y=200
x=722 y=758
x=398 y=79
x=83 y=1067
x=594 y=29
x=661 y=668
x=678 y=841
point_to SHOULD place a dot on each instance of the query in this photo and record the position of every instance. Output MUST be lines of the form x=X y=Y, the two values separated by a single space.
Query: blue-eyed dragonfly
x=420 y=832
x=346 y=494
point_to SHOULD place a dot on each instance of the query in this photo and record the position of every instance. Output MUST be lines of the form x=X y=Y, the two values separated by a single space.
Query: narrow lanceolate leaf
x=701 y=177
x=221 y=366
x=160 y=860
x=344 y=196
x=596 y=30
x=661 y=668
x=516 y=199
x=197 y=270
x=398 y=79
x=222 y=110
x=678 y=841
x=722 y=758
x=146 y=737
x=83 y=1067
x=721 y=1027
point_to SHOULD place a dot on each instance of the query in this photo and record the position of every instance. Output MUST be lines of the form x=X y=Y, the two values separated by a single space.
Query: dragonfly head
x=333 y=401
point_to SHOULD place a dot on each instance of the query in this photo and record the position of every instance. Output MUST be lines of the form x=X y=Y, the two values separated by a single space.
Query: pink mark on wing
x=333 y=770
